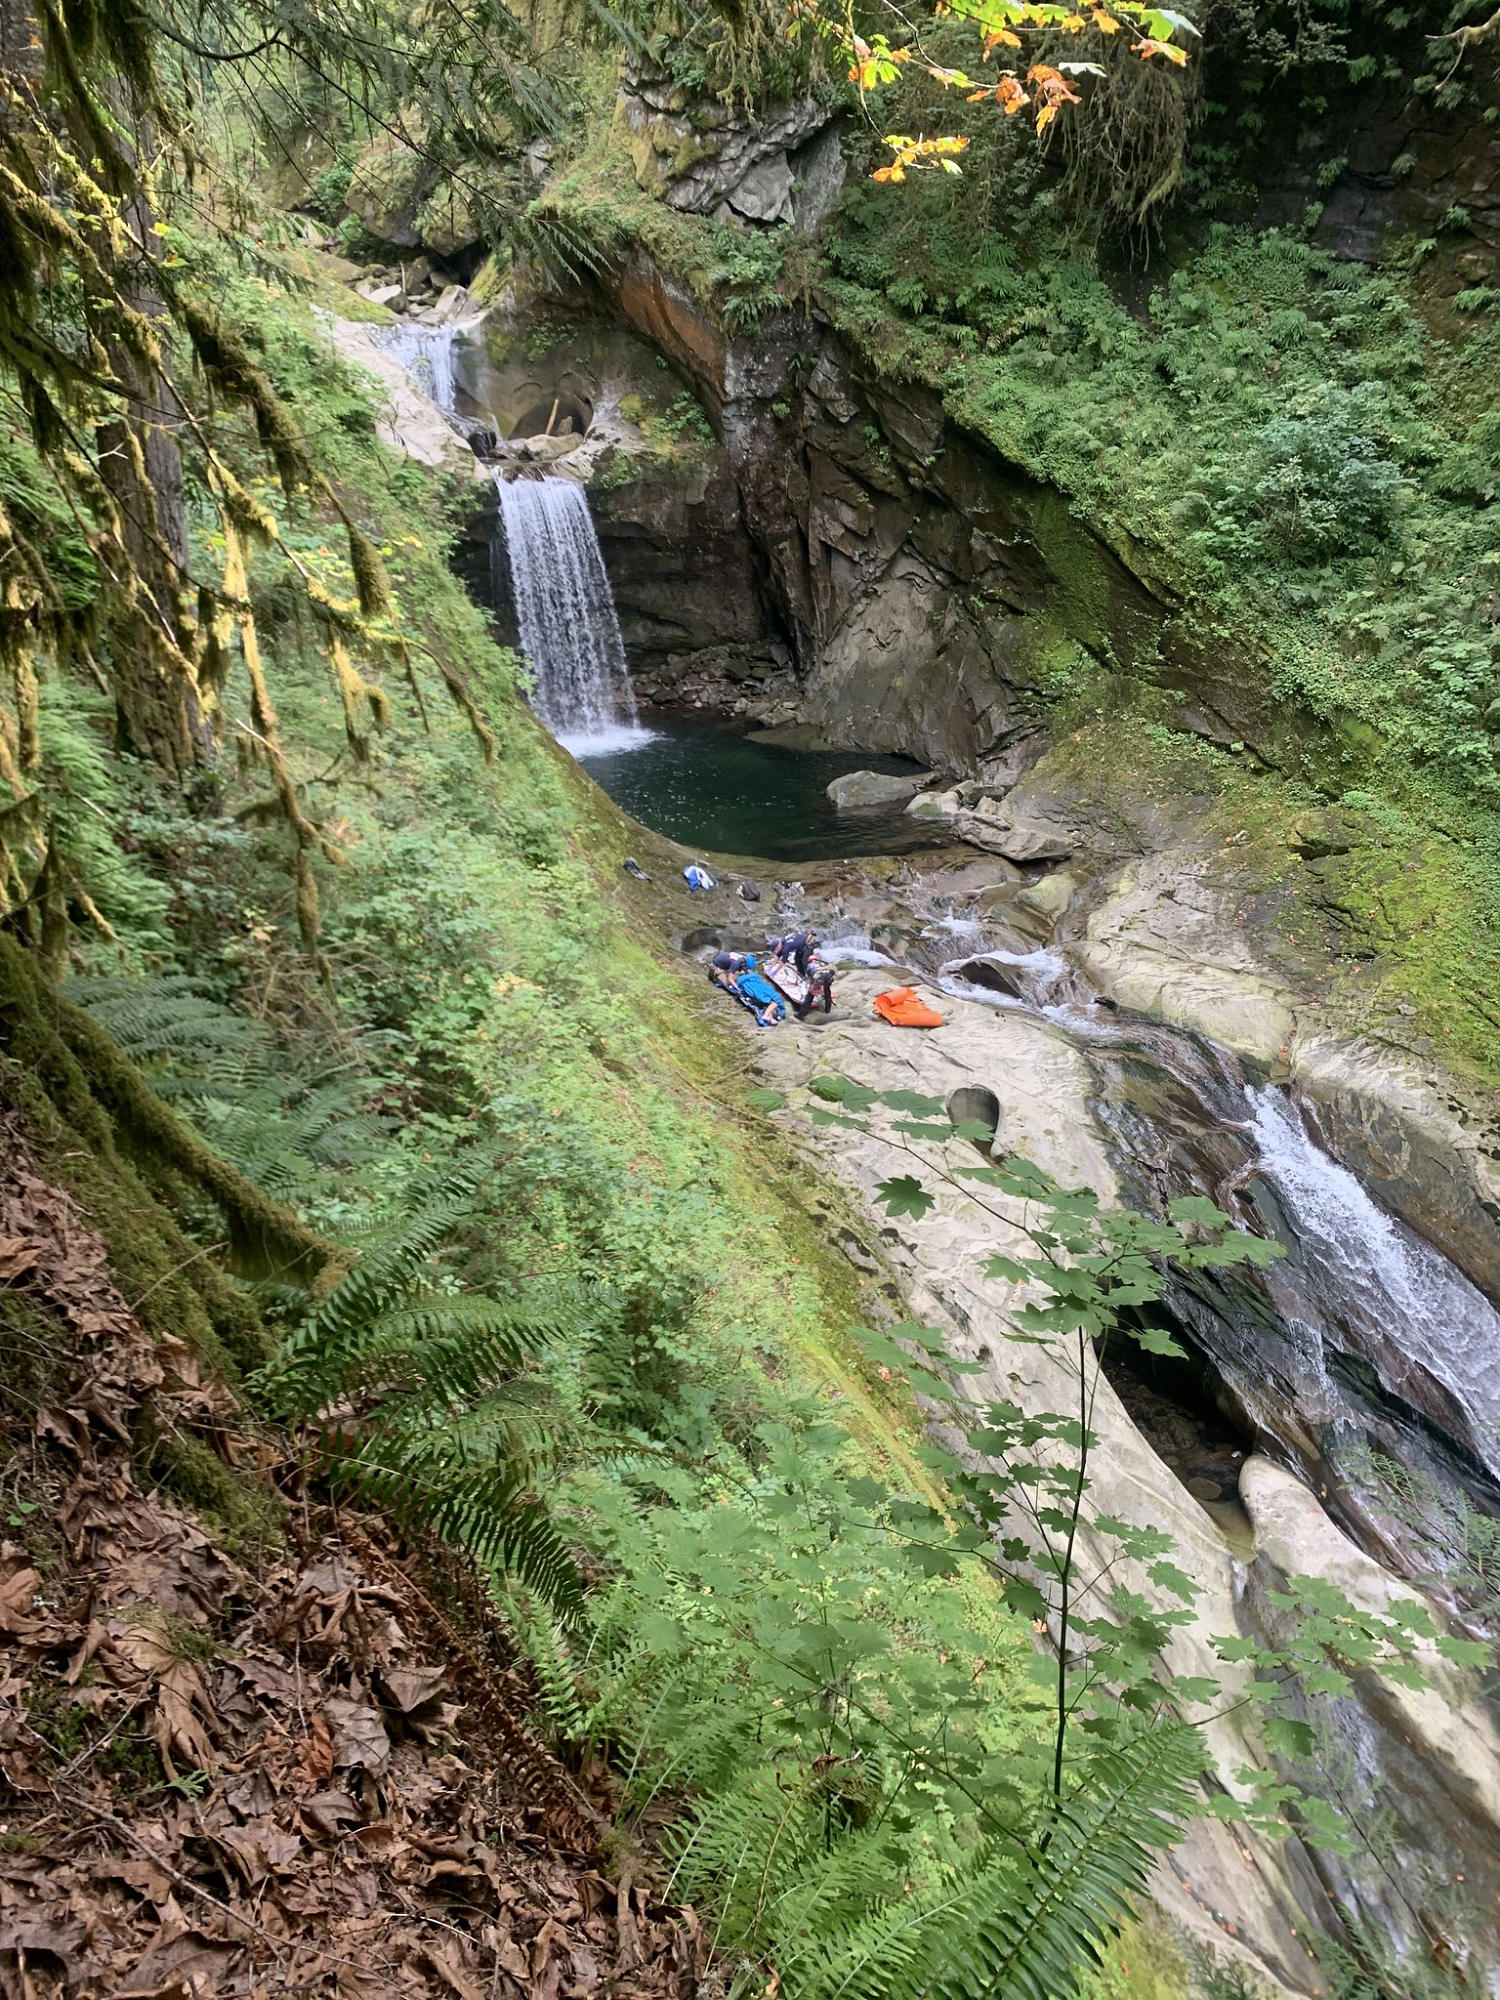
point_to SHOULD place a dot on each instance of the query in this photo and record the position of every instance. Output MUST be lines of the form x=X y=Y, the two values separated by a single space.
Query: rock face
x=687 y=587
x=858 y=789
x=1408 y=161
x=1164 y=942
x=933 y=596
x=783 y=166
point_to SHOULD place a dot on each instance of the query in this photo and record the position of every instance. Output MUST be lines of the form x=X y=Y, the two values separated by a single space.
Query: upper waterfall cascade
x=566 y=614
x=427 y=353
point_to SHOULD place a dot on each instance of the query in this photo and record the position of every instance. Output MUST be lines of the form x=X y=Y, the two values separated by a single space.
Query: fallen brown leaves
x=309 y=1780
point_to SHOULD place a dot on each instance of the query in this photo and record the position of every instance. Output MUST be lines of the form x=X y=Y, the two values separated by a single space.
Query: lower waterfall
x=566 y=615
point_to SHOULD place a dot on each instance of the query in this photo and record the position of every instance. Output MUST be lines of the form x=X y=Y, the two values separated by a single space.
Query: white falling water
x=566 y=614
x=427 y=355
x=1430 y=1316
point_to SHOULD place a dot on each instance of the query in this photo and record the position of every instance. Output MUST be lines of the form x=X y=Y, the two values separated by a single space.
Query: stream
x=1363 y=1358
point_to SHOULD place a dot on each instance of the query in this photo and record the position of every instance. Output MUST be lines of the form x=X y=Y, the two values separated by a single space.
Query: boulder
x=445 y=223
x=1050 y=896
x=389 y=186
x=857 y=789
x=1021 y=843
x=934 y=805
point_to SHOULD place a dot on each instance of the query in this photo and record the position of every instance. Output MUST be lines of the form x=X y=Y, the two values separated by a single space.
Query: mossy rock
x=445 y=223
x=103 y=1133
x=390 y=182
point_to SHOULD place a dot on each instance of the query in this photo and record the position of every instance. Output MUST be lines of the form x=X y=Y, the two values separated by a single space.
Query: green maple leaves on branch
x=1020 y=1483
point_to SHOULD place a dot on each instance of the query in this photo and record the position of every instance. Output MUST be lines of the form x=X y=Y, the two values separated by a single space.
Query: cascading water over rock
x=1363 y=1337
x=427 y=353
x=566 y=615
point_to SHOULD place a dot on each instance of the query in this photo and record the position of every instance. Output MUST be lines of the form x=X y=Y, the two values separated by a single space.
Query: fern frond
x=1101 y=1845
x=430 y=1401
x=488 y=1510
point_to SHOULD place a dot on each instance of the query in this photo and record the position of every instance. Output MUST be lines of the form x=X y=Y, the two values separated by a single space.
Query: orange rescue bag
x=903 y=1009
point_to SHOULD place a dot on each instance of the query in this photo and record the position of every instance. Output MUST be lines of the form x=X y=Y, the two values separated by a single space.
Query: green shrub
x=1301 y=489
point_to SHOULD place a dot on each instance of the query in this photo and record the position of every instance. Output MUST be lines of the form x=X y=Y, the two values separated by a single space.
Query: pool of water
x=712 y=787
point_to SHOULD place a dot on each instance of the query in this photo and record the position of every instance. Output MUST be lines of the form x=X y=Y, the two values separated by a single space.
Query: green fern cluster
x=846 y=1743
x=296 y=1135
x=428 y=1401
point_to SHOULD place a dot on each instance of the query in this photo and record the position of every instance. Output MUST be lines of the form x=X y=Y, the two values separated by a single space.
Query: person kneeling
x=726 y=966
x=819 y=987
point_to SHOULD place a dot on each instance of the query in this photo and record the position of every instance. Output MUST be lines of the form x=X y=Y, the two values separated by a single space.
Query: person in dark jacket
x=726 y=966
x=796 y=948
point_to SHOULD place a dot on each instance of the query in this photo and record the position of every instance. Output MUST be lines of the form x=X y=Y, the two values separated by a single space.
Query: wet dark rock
x=925 y=588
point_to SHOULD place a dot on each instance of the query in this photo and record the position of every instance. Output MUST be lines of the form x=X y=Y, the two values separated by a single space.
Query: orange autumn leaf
x=1053 y=90
x=1105 y=23
x=1148 y=46
x=1000 y=38
x=920 y=153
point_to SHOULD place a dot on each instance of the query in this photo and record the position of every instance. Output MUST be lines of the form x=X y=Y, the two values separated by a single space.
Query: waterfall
x=566 y=614
x=427 y=355
x=1420 y=1316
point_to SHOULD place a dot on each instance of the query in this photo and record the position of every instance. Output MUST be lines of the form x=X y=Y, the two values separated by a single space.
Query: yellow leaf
x=1001 y=38
x=1072 y=24
x=1045 y=117
x=1105 y=23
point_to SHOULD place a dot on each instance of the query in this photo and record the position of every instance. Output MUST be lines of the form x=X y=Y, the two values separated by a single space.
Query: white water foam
x=1042 y=974
x=851 y=948
x=566 y=614
x=583 y=744
x=1431 y=1316
x=983 y=996
x=427 y=355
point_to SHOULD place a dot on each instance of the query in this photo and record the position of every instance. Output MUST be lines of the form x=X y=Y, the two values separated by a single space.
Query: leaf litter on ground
x=299 y=1774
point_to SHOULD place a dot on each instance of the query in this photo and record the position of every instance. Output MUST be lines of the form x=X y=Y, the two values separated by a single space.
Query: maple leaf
x=1105 y=23
x=1000 y=38
x=905 y=1196
x=1147 y=46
